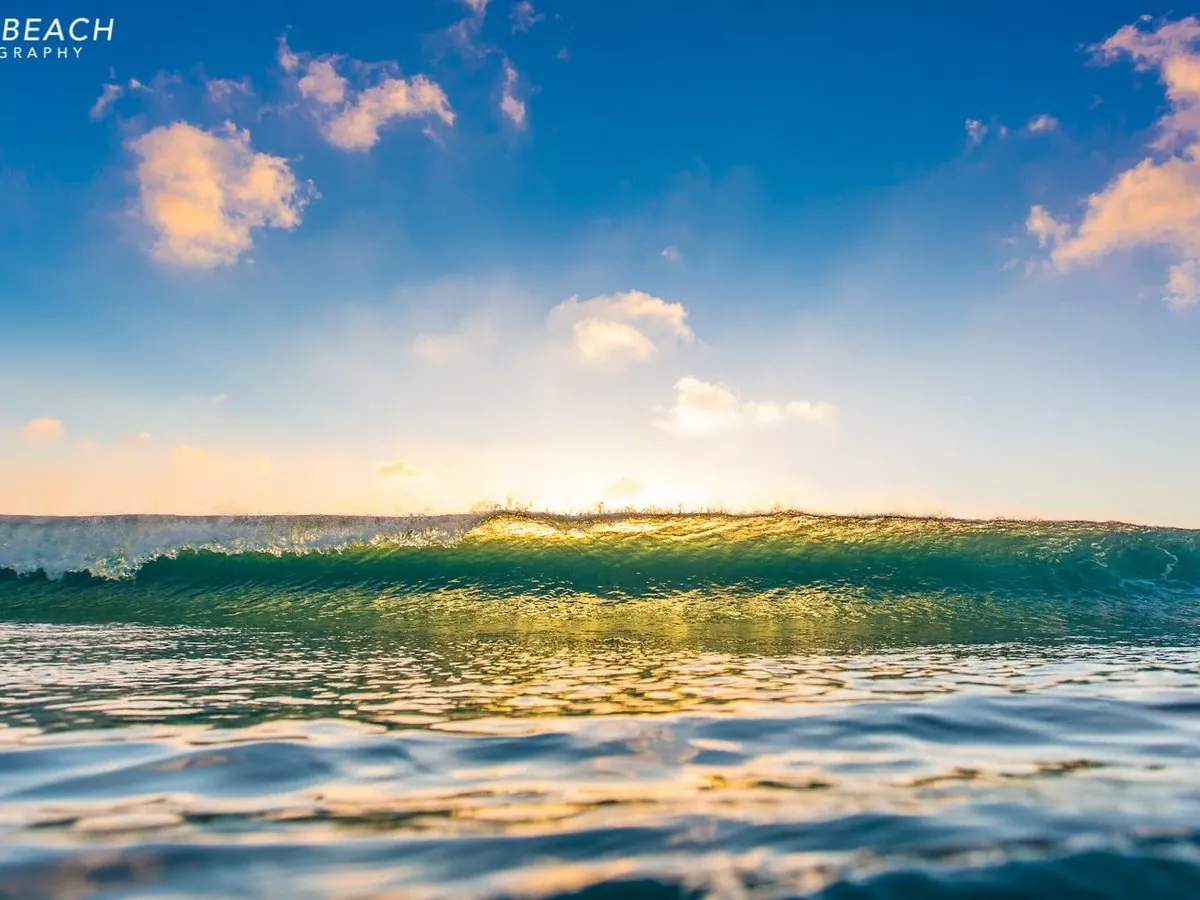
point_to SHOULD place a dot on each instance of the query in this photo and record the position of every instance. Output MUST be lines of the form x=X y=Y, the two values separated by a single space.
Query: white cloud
x=357 y=126
x=136 y=437
x=322 y=82
x=1041 y=124
x=203 y=193
x=703 y=407
x=43 y=429
x=350 y=116
x=671 y=254
x=601 y=339
x=1156 y=203
x=513 y=109
x=1152 y=203
x=479 y=7
x=524 y=16
x=622 y=327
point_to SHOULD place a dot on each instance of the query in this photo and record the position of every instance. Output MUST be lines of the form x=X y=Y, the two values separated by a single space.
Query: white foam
x=117 y=546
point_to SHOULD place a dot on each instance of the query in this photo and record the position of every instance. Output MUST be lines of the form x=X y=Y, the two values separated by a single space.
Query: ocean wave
x=812 y=578
x=117 y=547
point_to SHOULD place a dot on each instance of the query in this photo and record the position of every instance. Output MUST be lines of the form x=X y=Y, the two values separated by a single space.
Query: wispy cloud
x=108 y=96
x=474 y=338
x=977 y=131
x=524 y=16
x=703 y=407
x=112 y=92
x=1042 y=124
x=188 y=456
x=465 y=32
x=513 y=108
x=396 y=468
x=222 y=91
x=1157 y=201
x=43 y=429
x=350 y=111
x=1043 y=226
x=1169 y=48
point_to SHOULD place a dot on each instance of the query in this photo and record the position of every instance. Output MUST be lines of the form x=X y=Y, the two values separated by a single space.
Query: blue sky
x=283 y=258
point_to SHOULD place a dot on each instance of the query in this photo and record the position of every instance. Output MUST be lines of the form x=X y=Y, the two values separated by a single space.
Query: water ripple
x=140 y=761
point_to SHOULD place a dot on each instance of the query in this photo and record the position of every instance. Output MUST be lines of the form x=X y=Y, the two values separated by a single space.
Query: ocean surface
x=619 y=706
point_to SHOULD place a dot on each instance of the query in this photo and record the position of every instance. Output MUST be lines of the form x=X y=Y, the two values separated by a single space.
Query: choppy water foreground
x=668 y=707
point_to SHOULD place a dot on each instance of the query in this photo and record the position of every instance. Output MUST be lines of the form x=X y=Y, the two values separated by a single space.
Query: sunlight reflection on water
x=192 y=760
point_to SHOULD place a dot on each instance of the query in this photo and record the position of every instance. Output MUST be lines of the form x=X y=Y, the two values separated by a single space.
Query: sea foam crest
x=117 y=546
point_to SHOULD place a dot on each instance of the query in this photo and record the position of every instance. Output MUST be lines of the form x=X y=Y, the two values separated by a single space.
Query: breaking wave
x=892 y=577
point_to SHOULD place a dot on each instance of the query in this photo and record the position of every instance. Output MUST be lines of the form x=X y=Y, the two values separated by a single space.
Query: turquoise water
x=653 y=706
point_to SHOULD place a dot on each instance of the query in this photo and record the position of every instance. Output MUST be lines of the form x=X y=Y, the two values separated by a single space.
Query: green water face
x=799 y=580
